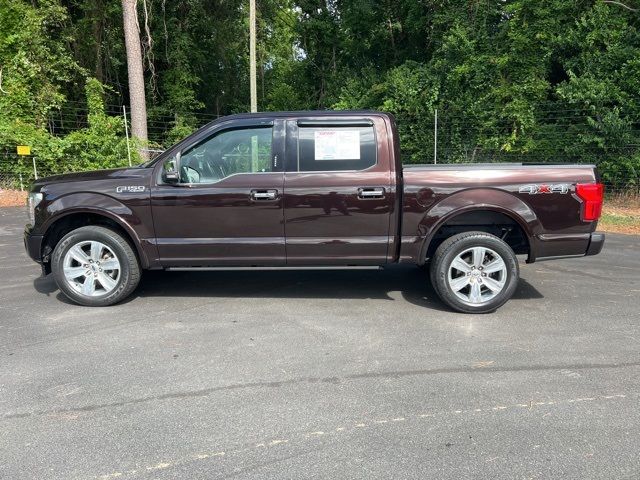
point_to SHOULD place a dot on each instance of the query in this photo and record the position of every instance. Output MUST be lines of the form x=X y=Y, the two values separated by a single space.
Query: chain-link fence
x=560 y=136
x=17 y=172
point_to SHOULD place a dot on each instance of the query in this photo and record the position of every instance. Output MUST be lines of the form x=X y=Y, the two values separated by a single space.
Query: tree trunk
x=136 y=76
x=98 y=30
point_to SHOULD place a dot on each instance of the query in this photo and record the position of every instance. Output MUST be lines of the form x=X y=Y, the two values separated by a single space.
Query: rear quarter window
x=330 y=149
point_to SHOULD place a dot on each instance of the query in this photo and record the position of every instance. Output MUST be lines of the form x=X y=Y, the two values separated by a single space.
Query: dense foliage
x=512 y=80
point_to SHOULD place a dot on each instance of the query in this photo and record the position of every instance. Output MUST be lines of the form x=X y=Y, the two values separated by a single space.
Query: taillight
x=591 y=195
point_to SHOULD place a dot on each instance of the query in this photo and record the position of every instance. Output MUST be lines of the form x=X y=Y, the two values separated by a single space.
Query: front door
x=227 y=208
x=338 y=192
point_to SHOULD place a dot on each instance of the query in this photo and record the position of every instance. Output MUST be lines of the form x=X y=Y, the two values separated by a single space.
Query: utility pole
x=126 y=132
x=435 y=137
x=252 y=55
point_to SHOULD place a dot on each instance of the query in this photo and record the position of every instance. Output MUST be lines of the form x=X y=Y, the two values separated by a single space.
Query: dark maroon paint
x=316 y=218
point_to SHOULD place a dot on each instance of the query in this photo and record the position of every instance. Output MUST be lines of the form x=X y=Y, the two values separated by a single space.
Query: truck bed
x=537 y=199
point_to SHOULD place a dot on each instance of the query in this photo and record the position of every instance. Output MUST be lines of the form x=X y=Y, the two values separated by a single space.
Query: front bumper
x=33 y=244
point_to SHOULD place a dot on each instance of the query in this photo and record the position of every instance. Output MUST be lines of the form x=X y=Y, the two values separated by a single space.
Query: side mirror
x=171 y=170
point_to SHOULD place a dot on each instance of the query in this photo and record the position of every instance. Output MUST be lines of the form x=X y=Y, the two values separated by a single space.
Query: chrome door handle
x=264 y=194
x=370 y=193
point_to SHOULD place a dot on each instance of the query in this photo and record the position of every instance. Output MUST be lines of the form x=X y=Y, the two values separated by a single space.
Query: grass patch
x=623 y=200
x=620 y=219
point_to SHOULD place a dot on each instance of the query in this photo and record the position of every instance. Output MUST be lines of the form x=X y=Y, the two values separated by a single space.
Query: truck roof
x=308 y=113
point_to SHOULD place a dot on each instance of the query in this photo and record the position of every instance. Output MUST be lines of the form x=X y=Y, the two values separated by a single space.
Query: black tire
x=456 y=245
x=129 y=271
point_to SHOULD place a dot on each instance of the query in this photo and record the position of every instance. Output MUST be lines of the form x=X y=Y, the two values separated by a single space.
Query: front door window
x=228 y=153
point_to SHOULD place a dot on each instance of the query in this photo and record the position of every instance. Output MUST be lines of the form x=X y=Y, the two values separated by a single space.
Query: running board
x=216 y=269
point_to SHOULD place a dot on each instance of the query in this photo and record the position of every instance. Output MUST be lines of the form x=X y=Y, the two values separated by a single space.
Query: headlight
x=32 y=201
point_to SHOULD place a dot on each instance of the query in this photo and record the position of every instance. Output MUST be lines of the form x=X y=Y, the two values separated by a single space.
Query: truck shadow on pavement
x=409 y=282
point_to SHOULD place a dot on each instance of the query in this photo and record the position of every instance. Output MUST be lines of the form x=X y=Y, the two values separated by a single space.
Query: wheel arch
x=474 y=201
x=74 y=218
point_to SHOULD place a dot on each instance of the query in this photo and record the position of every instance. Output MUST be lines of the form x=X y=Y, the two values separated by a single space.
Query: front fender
x=491 y=199
x=104 y=205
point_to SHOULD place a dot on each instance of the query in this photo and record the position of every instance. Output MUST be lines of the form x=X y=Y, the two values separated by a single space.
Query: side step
x=216 y=269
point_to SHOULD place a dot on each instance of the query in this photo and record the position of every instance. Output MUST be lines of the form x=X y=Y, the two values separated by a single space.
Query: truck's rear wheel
x=474 y=272
x=95 y=266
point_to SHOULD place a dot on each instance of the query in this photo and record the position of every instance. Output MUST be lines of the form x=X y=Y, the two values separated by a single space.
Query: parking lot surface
x=299 y=375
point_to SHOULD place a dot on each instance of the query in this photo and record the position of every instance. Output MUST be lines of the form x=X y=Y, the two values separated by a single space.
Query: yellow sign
x=24 y=150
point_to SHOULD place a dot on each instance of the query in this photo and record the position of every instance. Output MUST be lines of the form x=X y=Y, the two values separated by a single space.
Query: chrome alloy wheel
x=91 y=268
x=477 y=275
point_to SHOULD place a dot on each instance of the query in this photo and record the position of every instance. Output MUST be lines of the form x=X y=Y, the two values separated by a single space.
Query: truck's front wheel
x=474 y=272
x=95 y=266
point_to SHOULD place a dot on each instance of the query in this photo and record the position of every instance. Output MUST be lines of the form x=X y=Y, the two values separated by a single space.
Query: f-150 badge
x=543 y=188
x=130 y=188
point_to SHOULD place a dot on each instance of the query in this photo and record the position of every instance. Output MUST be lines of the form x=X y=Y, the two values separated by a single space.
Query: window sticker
x=337 y=144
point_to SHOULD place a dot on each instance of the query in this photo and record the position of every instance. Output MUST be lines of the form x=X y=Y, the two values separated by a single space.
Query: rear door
x=227 y=209
x=338 y=191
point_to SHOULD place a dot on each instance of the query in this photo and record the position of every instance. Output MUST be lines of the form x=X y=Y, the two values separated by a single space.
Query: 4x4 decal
x=543 y=188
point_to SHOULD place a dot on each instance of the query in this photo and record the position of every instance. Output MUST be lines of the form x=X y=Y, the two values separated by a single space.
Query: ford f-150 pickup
x=310 y=190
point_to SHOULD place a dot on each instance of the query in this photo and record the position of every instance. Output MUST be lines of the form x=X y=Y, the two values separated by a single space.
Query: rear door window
x=336 y=148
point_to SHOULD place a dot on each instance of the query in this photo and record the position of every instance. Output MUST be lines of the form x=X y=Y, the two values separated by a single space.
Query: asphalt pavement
x=327 y=375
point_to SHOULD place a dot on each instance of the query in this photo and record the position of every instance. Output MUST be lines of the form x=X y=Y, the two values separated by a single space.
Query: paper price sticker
x=337 y=145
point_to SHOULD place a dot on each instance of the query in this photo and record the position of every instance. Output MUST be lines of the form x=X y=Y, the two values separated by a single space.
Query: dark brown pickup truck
x=310 y=190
